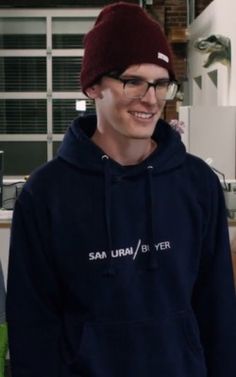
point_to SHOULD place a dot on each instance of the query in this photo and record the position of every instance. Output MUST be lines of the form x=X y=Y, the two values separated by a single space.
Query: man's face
x=122 y=117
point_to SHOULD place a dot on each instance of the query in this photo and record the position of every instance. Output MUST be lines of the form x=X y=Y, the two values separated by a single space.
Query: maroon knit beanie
x=123 y=35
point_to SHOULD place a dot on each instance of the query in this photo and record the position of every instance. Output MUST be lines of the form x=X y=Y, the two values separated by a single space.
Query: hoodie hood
x=78 y=149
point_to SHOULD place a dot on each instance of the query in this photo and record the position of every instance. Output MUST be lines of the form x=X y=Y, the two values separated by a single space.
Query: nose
x=150 y=96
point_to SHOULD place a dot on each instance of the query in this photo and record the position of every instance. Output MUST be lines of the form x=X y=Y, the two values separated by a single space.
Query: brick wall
x=173 y=16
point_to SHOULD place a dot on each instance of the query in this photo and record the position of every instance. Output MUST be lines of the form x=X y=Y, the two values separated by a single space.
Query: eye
x=134 y=81
x=163 y=83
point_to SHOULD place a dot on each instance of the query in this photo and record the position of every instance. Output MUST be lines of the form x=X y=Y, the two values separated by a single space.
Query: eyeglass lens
x=164 y=89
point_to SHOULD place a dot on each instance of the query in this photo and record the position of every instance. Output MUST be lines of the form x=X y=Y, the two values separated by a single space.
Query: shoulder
x=202 y=180
x=199 y=169
x=44 y=181
x=44 y=175
x=197 y=162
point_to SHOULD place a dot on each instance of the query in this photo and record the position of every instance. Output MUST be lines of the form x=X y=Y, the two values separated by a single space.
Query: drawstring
x=153 y=255
x=110 y=269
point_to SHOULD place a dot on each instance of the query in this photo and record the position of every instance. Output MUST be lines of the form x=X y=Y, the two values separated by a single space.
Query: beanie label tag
x=163 y=57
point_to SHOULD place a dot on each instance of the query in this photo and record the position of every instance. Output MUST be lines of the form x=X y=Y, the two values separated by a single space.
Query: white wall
x=217 y=18
x=211 y=111
x=210 y=132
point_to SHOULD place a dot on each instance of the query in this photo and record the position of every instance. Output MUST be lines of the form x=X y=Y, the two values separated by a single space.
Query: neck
x=125 y=152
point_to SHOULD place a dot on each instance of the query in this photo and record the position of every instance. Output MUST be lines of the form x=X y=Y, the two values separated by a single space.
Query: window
x=23 y=116
x=40 y=60
x=22 y=33
x=23 y=74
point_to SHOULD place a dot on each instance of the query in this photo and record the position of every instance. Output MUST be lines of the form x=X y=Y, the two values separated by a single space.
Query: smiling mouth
x=141 y=115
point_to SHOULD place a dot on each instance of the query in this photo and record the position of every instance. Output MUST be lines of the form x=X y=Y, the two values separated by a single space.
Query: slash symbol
x=137 y=248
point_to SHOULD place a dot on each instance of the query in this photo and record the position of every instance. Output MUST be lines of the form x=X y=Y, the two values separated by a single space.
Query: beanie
x=123 y=35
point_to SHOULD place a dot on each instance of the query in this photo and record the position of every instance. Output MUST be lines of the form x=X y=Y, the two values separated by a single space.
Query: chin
x=146 y=134
x=142 y=137
x=145 y=131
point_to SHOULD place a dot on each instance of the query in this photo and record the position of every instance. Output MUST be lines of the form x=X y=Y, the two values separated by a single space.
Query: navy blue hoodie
x=121 y=271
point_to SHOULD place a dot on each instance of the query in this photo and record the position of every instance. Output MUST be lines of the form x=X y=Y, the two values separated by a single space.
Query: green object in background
x=3 y=347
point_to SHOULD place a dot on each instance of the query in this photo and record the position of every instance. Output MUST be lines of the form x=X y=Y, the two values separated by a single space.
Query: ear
x=94 y=92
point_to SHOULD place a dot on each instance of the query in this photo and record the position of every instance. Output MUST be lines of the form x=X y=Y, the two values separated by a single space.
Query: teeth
x=142 y=115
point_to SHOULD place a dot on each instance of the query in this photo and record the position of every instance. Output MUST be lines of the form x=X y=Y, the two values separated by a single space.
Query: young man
x=120 y=262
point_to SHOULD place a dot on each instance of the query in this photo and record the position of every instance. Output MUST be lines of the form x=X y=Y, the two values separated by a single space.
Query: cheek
x=114 y=104
x=162 y=105
x=117 y=105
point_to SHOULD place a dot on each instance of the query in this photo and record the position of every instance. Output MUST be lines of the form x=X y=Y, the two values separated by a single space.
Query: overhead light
x=80 y=105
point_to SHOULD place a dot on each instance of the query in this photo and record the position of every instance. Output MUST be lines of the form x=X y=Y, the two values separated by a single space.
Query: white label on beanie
x=163 y=57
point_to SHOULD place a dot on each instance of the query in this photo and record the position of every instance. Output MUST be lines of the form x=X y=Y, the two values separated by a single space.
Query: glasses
x=136 y=87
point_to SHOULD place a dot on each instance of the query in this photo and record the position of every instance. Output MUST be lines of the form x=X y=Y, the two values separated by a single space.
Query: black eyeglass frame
x=154 y=84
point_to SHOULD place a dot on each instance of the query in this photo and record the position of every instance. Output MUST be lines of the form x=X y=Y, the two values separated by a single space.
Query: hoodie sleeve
x=33 y=303
x=214 y=298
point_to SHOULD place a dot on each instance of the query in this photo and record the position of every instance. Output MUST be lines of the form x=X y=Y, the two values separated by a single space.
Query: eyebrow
x=133 y=76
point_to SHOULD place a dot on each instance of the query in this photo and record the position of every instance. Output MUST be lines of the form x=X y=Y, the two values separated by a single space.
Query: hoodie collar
x=78 y=149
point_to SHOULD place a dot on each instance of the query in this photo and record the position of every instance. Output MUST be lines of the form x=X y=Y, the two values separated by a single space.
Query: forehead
x=151 y=71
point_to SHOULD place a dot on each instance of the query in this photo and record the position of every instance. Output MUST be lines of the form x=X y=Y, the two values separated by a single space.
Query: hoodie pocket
x=191 y=333
x=169 y=346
